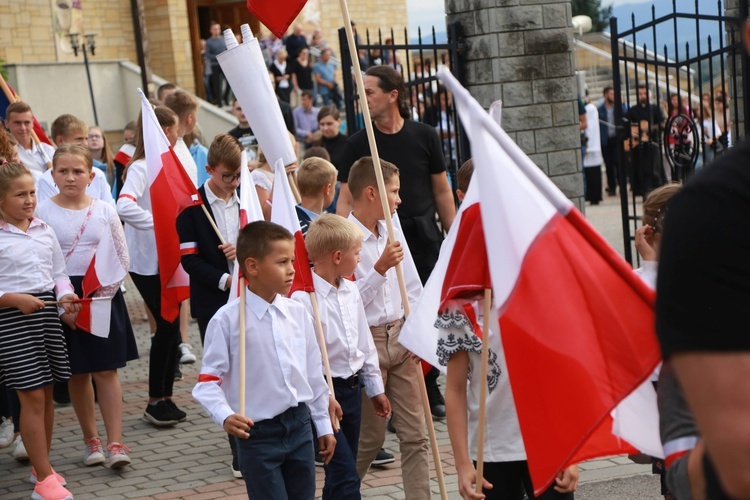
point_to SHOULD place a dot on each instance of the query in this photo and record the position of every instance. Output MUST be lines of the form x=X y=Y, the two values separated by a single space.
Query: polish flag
x=171 y=191
x=105 y=269
x=576 y=324
x=284 y=214
x=276 y=16
x=250 y=211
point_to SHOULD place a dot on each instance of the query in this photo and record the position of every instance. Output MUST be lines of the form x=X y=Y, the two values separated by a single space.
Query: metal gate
x=417 y=62
x=677 y=106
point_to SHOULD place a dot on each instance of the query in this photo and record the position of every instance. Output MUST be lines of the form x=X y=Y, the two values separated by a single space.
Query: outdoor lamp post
x=89 y=42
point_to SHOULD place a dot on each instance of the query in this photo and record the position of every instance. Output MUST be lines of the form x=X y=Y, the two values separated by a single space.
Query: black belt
x=346 y=383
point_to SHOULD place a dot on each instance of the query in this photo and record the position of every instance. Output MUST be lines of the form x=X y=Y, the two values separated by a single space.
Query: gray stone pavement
x=191 y=460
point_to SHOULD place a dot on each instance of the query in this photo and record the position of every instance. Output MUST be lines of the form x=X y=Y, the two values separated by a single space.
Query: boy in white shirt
x=284 y=375
x=333 y=245
x=378 y=285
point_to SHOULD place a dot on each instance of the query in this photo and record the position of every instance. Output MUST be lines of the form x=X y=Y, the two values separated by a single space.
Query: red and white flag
x=284 y=214
x=250 y=211
x=104 y=270
x=576 y=323
x=171 y=191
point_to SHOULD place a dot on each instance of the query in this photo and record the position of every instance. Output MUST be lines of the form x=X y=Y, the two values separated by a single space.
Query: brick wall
x=521 y=51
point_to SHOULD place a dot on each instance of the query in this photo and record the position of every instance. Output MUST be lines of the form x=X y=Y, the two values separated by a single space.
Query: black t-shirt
x=295 y=43
x=650 y=113
x=703 y=285
x=416 y=151
x=335 y=147
x=304 y=74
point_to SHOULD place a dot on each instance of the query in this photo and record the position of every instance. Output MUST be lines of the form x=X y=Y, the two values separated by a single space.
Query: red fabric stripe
x=205 y=377
x=122 y=157
x=188 y=251
x=128 y=196
x=573 y=323
x=83 y=320
x=674 y=456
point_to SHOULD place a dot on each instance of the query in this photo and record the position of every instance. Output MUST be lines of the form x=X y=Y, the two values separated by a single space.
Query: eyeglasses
x=230 y=178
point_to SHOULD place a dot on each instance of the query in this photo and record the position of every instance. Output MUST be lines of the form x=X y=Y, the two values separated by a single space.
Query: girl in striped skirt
x=32 y=348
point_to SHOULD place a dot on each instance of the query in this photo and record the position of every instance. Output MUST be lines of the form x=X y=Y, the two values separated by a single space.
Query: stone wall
x=521 y=51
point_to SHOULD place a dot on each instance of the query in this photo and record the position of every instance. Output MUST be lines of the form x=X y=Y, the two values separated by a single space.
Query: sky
x=428 y=13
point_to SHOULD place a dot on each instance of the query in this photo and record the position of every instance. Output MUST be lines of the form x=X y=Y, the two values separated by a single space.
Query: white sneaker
x=186 y=356
x=6 y=432
x=19 y=450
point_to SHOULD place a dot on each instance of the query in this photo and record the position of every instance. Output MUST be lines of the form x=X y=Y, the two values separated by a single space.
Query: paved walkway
x=191 y=460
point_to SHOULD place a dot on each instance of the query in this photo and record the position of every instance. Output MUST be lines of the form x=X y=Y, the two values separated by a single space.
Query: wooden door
x=201 y=13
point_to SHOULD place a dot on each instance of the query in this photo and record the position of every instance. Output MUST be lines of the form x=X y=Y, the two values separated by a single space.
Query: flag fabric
x=284 y=214
x=576 y=323
x=276 y=16
x=250 y=211
x=94 y=316
x=104 y=270
x=171 y=192
x=5 y=102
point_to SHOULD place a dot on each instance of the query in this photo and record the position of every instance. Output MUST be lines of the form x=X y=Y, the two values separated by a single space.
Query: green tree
x=593 y=8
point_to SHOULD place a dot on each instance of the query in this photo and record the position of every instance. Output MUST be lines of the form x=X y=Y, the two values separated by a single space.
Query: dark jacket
x=603 y=127
x=202 y=259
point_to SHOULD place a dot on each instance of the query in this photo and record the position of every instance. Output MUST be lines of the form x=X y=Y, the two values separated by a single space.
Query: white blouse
x=67 y=224
x=134 y=208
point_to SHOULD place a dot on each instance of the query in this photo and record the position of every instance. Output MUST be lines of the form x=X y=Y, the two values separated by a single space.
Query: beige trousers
x=402 y=388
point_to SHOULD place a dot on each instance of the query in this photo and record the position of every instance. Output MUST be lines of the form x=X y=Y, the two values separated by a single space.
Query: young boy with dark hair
x=285 y=386
x=333 y=245
x=378 y=285
x=316 y=181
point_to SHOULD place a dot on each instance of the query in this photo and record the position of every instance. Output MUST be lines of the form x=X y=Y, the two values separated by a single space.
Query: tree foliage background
x=593 y=8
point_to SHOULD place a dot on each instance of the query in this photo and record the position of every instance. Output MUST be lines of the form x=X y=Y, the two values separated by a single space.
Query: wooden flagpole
x=293 y=185
x=213 y=224
x=323 y=349
x=483 y=387
x=391 y=234
x=243 y=339
x=15 y=98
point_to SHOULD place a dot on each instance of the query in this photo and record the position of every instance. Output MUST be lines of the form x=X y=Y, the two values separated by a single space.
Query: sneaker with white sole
x=94 y=454
x=6 y=432
x=383 y=458
x=160 y=414
x=117 y=456
x=19 y=450
x=60 y=479
x=50 y=489
x=186 y=355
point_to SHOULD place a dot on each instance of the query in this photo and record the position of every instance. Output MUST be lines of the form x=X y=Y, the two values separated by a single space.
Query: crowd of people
x=692 y=133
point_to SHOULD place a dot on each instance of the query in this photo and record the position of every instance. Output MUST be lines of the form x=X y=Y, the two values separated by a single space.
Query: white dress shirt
x=186 y=158
x=283 y=364
x=31 y=261
x=227 y=219
x=380 y=294
x=134 y=208
x=33 y=159
x=347 y=334
x=99 y=187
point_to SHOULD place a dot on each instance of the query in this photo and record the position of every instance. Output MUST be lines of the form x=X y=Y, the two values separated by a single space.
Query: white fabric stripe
x=680 y=444
x=188 y=244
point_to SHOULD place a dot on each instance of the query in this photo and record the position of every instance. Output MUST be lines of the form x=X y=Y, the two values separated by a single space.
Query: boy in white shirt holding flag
x=378 y=285
x=285 y=388
x=333 y=245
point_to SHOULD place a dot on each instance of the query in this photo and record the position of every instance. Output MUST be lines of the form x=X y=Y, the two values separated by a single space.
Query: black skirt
x=89 y=353
x=32 y=347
